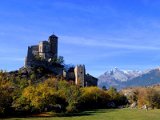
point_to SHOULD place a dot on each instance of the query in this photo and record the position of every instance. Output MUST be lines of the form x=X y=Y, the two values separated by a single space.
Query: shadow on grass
x=84 y=113
x=50 y=114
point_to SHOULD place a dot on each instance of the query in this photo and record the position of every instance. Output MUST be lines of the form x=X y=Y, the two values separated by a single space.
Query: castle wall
x=80 y=75
x=44 y=50
x=29 y=53
x=34 y=50
x=69 y=75
x=90 y=80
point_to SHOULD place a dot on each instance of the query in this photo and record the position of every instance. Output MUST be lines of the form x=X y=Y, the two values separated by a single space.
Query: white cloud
x=106 y=43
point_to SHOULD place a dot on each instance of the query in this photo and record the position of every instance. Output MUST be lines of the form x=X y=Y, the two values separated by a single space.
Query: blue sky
x=102 y=34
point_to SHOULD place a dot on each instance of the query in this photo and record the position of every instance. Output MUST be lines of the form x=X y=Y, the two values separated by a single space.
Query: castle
x=45 y=52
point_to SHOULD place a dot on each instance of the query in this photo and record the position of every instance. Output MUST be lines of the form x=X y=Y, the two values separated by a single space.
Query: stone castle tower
x=79 y=72
x=45 y=50
x=53 y=40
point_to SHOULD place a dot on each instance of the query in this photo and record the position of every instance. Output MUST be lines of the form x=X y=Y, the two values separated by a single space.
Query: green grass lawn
x=112 y=114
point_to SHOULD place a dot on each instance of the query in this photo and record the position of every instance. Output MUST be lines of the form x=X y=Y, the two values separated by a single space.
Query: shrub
x=93 y=97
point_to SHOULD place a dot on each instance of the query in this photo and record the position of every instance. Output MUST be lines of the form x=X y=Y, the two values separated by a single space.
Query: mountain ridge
x=128 y=78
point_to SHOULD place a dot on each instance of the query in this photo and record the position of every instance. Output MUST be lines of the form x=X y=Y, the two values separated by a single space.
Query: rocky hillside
x=34 y=75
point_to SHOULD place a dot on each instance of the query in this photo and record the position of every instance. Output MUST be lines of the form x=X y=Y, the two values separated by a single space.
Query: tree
x=93 y=97
x=71 y=93
x=113 y=93
x=117 y=98
x=104 y=88
x=6 y=93
x=44 y=97
x=149 y=97
x=60 y=60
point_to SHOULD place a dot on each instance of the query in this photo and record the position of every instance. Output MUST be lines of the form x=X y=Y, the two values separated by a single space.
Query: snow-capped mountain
x=126 y=78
